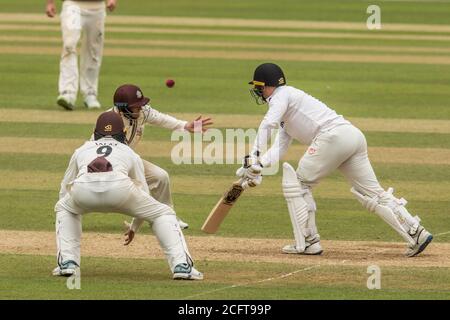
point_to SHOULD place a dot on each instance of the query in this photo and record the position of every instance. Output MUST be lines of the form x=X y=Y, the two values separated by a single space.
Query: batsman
x=334 y=143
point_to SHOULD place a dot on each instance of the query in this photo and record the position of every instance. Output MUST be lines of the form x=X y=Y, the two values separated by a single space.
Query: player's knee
x=70 y=46
x=384 y=198
x=69 y=49
x=308 y=178
x=162 y=177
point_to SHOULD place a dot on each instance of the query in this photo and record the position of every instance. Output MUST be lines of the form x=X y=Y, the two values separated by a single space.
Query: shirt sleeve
x=277 y=108
x=163 y=120
x=277 y=150
x=70 y=175
x=137 y=173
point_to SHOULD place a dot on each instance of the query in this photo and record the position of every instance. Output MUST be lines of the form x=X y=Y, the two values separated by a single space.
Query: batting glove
x=252 y=182
x=253 y=172
x=250 y=167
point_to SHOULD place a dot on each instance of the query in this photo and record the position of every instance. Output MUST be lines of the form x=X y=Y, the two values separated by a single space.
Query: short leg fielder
x=345 y=148
x=124 y=197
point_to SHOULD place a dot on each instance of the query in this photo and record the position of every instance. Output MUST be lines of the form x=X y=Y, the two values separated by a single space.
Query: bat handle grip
x=243 y=183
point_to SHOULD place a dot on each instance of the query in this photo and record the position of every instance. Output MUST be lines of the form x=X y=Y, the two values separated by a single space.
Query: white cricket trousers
x=121 y=196
x=345 y=148
x=77 y=18
x=158 y=182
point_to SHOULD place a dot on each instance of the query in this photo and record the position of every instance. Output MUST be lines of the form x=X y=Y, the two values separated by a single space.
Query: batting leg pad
x=297 y=205
x=168 y=232
x=392 y=211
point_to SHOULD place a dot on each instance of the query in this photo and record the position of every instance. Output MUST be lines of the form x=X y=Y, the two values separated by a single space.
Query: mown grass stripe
x=243 y=55
x=58 y=163
x=229 y=44
x=228 y=22
x=364 y=43
x=163 y=149
x=282 y=34
x=229 y=120
x=331 y=189
x=68 y=130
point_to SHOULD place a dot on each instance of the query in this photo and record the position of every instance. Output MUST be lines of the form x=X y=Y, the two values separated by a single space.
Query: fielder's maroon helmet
x=110 y=124
x=129 y=95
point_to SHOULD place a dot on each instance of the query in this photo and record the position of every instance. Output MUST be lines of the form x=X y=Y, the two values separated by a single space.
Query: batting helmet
x=266 y=74
x=129 y=95
x=110 y=124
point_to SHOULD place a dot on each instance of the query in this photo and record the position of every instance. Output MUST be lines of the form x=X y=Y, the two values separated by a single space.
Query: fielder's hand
x=198 y=125
x=50 y=9
x=129 y=234
x=111 y=5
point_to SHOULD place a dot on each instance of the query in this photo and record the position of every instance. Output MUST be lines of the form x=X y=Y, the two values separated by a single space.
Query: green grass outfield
x=394 y=82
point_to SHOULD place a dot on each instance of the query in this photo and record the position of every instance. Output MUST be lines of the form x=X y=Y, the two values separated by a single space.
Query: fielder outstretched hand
x=198 y=125
x=111 y=5
x=129 y=234
x=50 y=9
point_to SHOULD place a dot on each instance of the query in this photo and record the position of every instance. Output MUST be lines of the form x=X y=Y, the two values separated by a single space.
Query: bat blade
x=221 y=209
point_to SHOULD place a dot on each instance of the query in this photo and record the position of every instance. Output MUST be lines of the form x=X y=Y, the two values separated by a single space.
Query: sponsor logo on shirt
x=282 y=124
x=311 y=150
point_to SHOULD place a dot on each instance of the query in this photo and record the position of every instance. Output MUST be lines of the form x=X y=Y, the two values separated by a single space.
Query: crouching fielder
x=334 y=143
x=105 y=175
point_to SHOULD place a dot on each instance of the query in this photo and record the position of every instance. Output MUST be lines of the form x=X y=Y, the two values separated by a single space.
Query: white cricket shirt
x=298 y=116
x=125 y=164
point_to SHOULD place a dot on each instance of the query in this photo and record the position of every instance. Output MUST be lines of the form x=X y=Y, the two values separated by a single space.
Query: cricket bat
x=223 y=206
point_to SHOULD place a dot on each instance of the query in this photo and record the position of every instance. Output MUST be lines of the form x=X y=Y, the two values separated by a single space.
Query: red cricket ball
x=170 y=83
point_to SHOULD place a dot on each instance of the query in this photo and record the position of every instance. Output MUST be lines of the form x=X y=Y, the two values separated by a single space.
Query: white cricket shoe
x=67 y=101
x=66 y=269
x=183 y=225
x=312 y=247
x=422 y=238
x=91 y=102
x=184 y=271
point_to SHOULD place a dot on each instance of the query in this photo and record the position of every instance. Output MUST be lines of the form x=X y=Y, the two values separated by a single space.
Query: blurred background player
x=84 y=19
x=334 y=143
x=105 y=175
x=136 y=112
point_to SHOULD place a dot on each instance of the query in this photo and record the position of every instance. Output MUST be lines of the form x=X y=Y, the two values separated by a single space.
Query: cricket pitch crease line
x=253 y=283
